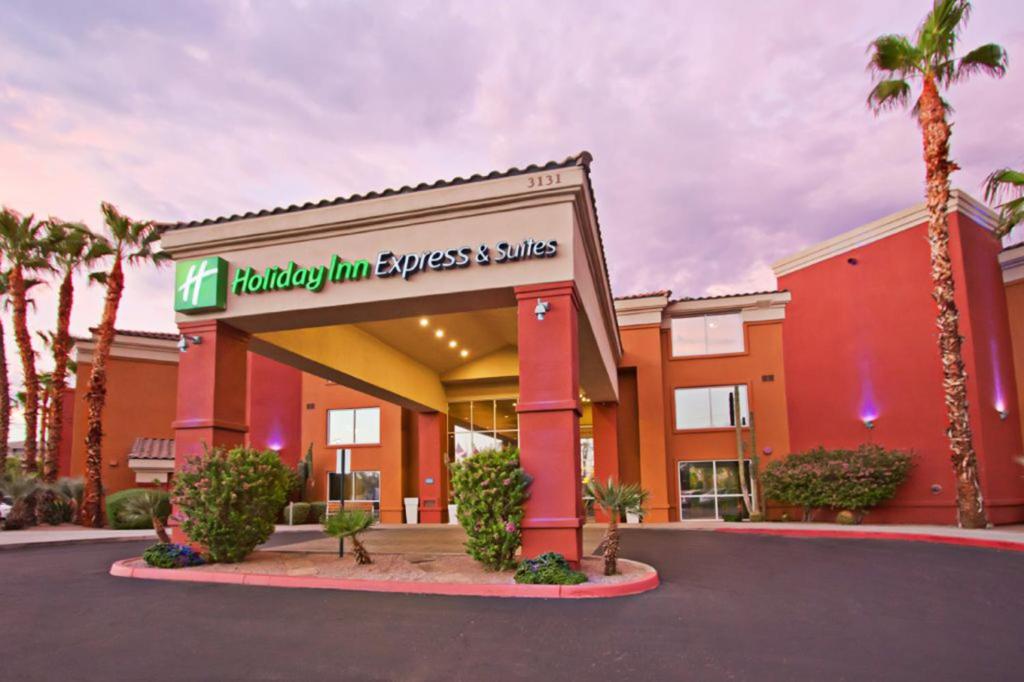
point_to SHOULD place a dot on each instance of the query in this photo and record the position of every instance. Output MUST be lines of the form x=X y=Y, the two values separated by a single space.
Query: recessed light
x=464 y=353
x=453 y=343
x=424 y=322
x=439 y=333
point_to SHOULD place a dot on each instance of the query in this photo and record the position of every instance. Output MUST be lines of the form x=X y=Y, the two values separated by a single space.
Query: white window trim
x=353 y=410
x=675 y=409
x=714 y=479
x=705 y=316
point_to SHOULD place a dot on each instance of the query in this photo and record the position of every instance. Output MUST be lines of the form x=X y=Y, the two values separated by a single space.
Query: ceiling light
x=453 y=343
x=464 y=353
x=424 y=322
x=439 y=333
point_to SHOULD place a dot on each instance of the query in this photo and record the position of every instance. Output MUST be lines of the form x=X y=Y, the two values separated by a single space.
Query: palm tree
x=21 y=242
x=349 y=523
x=72 y=247
x=22 y=489
x=131 y=242
x=616 y=499
x=146 y=507
x=45 y=393
x=5 y=382
x=930 y=58
x=1007 y=186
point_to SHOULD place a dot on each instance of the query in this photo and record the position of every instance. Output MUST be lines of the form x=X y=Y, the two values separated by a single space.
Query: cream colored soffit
x=759 y=307
x=633 y=312
x=131 y=348
x=1012 y=262
x=959 y=201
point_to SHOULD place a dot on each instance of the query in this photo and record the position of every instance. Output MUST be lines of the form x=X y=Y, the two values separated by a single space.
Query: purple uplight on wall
x=997 y=382
x=868 y=404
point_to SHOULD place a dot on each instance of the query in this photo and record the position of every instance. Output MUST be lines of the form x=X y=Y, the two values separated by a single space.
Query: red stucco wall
x=275 y=408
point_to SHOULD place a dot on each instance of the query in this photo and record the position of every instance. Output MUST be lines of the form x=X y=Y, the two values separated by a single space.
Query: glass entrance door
x=711 y=489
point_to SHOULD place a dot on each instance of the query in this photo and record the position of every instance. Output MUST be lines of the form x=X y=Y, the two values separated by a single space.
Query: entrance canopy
x=407 y=293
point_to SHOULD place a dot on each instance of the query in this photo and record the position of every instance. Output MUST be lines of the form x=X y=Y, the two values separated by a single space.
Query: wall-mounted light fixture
x=869 y=423
x=1001 y=409
x=185 y=341
x=541 y=309
x=767 y=452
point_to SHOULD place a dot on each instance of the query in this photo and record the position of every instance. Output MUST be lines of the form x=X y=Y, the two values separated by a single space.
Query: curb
x=72 y=541
x=1007 y=545
x=122 y=569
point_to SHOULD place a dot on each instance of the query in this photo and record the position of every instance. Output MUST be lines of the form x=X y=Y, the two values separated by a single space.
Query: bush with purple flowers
x=169 y=555
x=490 y=489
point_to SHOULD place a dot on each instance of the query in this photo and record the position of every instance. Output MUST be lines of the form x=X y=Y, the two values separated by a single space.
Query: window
x=711 y=490
x=710 y=407
x=363 y=486
x=354 y=427
x=707 y=335
x=478 y=425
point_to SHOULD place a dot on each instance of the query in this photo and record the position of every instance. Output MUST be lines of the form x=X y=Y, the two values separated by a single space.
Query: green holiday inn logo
x=201 y=285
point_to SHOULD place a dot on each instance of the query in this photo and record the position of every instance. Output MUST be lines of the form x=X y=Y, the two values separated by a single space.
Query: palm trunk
x=611 y=544
x=161 y=532
x=44 y=407
x=737 y=417
x=935 y=133
x=61 y=351
x=362 y=556
x=16 y=281
x=92 y=501
x=5 y=402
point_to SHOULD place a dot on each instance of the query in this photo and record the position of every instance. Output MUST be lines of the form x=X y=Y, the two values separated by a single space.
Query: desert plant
x=930 y=57
x=797 y=481
x=71 y=489
x=550 y=568
x=116 y=502
x=616 y=499
x=22 y=489
x=349 y=523
x=151 y=508
x=228 y=499
x=490 y=489
x=168 y=555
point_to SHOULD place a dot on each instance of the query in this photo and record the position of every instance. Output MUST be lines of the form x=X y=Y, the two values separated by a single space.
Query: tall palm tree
x=21 y=240
x=131 y=242
x=1005 y=188
x=930 y=58
x=72 y=247
x=5 y=381
x=616 y=499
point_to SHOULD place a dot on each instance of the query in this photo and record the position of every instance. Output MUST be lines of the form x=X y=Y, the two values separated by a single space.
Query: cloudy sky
x=726 y=134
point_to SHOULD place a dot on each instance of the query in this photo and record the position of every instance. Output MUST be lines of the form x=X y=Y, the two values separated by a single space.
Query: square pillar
x=606 y=447
x=549 y=419
x=433 y=487
x=211 y=407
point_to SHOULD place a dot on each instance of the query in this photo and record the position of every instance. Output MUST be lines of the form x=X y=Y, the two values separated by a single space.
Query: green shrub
x=116 y=501
x=548 y=569
x=490 y=488
x=846 y=518
x=168 y=555
x=296 y=513
x=230 y=498
x=317 y=512
x=853 y=480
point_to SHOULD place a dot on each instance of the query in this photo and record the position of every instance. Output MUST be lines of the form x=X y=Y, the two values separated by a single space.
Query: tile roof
x=152 y=448
x=645 y=294
x=165 y=336
x=712 y=298
x=582 y=159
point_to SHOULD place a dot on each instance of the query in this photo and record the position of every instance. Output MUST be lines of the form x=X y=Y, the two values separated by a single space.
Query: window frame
x=748 y=464
x=699 y=429
x=353 y=410
x=743 y=336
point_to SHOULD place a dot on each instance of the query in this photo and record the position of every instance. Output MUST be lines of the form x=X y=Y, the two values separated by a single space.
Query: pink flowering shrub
x=490 y=489
x=853 y=480
x=227 y=500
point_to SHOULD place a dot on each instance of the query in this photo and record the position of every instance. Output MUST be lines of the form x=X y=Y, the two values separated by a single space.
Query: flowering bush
x=167 y=555
x=490 y=489
x=853 y=480
x=228 y=499
x=550 y=568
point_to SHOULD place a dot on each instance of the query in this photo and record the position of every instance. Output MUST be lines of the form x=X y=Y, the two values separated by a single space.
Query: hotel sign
x=201 y=285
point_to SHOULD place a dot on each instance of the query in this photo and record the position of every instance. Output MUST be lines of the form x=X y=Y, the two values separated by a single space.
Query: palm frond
x=988 y=59
x=889 y=94
x=1005 y=189
x=938 y=34
x=893 y=54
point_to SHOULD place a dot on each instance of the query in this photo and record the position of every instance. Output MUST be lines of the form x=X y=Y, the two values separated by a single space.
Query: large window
x=359 y=426
x=476 y=425
x=707 y=335
x=710 y=407
x=711 y=490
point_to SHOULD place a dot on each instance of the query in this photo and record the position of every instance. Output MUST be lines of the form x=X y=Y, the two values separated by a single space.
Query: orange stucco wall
x=141 y=397
x=319 y=396
x=1015 y=307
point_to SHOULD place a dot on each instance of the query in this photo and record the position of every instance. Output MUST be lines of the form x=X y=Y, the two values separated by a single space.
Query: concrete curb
x=72 y=541
x=122 y=569
x=1008 y=545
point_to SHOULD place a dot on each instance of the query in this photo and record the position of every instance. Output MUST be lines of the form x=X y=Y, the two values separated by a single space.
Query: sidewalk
x=69 y=534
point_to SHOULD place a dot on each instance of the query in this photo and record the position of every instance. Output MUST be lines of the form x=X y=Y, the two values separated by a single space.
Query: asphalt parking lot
x=731 y=607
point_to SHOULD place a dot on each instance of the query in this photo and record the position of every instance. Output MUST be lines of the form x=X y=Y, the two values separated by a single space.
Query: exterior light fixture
x=453 y=343
x=541 y=309
x=1001 y=409
x=185 y=341
x=869 y=423
x=464 y=353
x=424 y=322
x=439 y=333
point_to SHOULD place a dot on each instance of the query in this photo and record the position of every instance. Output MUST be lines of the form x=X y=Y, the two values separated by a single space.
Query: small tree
x=349 y=523
x=22 y=489
x=490 y=489
x=148 y=506
x=228 y=500
x=616 y=499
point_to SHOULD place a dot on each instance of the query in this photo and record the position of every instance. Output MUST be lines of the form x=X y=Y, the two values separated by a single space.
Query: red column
x=433 y=488
x=549 y=417
x=606 y=447
x=211 y=393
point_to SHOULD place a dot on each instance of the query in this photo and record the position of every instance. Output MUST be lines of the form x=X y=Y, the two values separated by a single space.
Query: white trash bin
x=412 y=510
x=453 y=514
x=632 y=518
